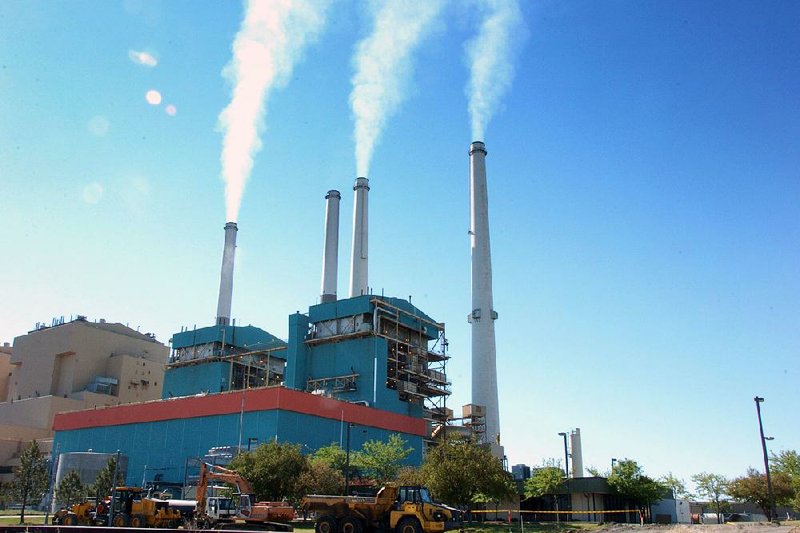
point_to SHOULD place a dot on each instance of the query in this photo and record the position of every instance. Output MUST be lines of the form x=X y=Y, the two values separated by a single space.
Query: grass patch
x=12 y=520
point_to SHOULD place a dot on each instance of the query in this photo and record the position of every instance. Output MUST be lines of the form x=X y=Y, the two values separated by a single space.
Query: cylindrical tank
x=87 y=465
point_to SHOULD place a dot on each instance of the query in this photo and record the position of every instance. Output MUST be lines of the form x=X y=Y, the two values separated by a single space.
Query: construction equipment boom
x=274 y=516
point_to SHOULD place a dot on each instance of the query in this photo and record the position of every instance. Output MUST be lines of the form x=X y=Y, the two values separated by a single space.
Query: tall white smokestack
x=359 y=260
x=484 y=366
x=226 y=275
x=577 y=453
x=330 y=251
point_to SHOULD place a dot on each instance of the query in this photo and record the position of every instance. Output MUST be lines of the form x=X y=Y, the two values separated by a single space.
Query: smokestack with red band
x=330 y=251
x=226 y=276
x=359 y=262
x=484 y=365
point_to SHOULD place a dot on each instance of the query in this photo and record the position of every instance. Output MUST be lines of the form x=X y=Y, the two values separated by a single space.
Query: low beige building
x=68 y=367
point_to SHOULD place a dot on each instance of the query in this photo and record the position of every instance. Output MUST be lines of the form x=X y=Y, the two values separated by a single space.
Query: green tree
x=30 y=478
x=752 y=488
x=596 y=472
x=628 y=480
x=545 y=481
x=460 y=472
x=333 y=455
x=320 y=477
x=274 y=470
x=788 y=462
x=408 y=475
x=713 y=487
x=676 y=485
x=70 y=490
x=382 y=460
x=103 y=482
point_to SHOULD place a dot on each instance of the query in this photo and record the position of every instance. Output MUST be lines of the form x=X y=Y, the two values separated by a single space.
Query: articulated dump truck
x=396 y=509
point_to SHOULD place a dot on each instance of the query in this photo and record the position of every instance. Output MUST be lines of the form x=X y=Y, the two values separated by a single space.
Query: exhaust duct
x=359 y=260
x=330 y=251
x=226 y=275
x=484 y=365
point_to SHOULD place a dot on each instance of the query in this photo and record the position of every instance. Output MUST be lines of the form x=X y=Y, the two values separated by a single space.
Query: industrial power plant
x=370 y=362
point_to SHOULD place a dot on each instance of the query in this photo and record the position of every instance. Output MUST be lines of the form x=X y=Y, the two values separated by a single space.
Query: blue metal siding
x=165 y=447
x=245 y=337
x=192 y=379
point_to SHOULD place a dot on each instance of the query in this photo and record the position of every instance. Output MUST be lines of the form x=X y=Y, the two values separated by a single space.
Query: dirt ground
x=739 y=527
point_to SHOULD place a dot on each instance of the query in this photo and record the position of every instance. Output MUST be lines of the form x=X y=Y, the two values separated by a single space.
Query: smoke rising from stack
x=383 y=67
x=272 y=38
x=489 y=56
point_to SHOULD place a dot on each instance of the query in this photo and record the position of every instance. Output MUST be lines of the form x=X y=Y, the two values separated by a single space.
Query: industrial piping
x=330 y=251
x=226 y=276
x=484 y=365
x=359 y=260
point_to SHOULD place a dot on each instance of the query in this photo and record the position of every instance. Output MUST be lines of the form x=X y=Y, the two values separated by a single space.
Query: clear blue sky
x=644 y=180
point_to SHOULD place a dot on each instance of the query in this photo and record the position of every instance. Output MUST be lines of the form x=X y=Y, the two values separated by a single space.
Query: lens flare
x=153 y=97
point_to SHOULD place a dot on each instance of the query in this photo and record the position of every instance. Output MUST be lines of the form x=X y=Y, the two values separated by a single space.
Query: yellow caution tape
x=579 y=511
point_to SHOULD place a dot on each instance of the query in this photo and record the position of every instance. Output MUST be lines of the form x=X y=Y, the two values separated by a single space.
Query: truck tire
x=121 y=520
x=325 y=524
x=70 y=520
x=138 y=520
x=408 y=524
x=350 y=524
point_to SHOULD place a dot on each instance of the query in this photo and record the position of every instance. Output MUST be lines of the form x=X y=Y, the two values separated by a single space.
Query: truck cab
x=221 y=508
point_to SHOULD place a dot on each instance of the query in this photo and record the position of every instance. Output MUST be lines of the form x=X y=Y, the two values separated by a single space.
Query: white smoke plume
x=490 y=56
x=383 y=66
x=272 y=38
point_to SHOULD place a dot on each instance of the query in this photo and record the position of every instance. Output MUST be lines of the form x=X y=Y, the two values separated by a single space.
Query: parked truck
x=404 y=509
x=218 y=512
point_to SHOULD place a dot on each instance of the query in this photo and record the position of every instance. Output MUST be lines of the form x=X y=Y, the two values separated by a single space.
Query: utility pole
x=771 y=516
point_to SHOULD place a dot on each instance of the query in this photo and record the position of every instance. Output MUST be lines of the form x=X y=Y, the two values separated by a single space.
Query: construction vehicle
x=218 y=512
x=405 y=509
x=131 y=507
x=79 y=514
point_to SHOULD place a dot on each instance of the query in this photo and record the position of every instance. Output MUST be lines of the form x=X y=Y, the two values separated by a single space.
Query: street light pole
x=771 y=516
x=566 y=456
x=347 y=461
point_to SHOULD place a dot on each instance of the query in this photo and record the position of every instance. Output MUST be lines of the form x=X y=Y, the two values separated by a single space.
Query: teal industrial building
x=367 y=366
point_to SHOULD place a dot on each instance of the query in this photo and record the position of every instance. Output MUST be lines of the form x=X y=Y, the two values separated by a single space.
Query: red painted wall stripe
x=231 y=402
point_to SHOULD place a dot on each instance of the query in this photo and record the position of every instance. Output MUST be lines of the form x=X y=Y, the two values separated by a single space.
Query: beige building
x=5 y=369
x=68 y=367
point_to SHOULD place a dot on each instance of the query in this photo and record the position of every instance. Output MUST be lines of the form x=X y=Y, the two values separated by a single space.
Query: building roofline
x=234 y=402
